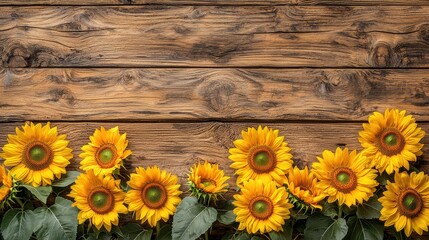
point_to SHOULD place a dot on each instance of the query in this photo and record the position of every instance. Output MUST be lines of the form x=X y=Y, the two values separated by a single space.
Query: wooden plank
x=209 y=36
x=176 y=146
x=216 y=2
x=202 y=94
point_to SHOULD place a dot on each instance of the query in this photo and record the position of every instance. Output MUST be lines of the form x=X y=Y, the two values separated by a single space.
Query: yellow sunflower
x=261 y=206
x=406 y=203
x=303 y=189
x=6 y=183
x=154 y=194
x=207 y=180
x=261 y=154
x=105 y=152
x=345 y=176
x=99 y=199
x=391 y=140
x=37 y=154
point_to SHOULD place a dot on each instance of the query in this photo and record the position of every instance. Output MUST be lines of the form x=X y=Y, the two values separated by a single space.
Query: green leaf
x=364 y=229
x=277 y=235
x=256 y=238
x=165 y=233
x=58 y=221
x=369 y=209
x=66 y=179
x=192 y=219
x=227 y=218
x=41 y=193
x=18 y=224
x=242 y=236
x=329 y=210
x=134 y=231
x=321 y=227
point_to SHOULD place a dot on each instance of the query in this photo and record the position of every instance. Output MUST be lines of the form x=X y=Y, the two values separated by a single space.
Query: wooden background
x=183 y=78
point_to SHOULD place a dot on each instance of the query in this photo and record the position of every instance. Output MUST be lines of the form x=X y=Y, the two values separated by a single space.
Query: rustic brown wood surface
x=215 y=36
x=215 y=2
x=206 y=94
x=177 y=146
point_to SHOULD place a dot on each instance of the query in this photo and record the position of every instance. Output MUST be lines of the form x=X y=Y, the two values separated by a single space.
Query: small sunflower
x=261 y=154
x=391 y=140
x=406 y=203
x=105 y=152
x=37 y=154
x=154 y=194
x=303 y=189
x=6 y=183
x=207 y=181
x=345 y=177
x=99 y=200
x=261 y=207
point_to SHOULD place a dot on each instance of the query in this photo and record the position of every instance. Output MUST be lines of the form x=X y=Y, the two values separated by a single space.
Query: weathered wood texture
x=214 y=36
x=177 y=146
x=215 y=2
x=204 y=94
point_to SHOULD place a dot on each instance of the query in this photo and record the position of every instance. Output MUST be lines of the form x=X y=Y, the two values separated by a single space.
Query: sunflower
x=154 y=194
x=303 y=189
x=37 y=154
x=405 y=203
x=345 y=177
x=105 y=152
x=6 y=183
x=98 y=199
x=261 y=206
x=261 y=154
x=391 y=140
x=207 y=181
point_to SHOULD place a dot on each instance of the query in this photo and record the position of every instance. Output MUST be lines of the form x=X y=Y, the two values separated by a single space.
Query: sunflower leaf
x=227 y=218
x=18 y=224
x=192 y=219
x=329 y=210
x=134 y=231
x=320 y=227
x=164 y=233
x=242 y=236
x=41 y=193
x=278 y=235
x=369 y=209
x=66 y=179
x=59 y=220
x=364 y=229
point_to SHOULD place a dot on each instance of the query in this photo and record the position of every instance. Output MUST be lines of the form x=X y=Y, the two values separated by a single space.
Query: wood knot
x=57 y=94
x=424 y=32
x=382 y=55
x=217 y=95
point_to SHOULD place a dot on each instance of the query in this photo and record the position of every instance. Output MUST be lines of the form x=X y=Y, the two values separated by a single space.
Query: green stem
x=340 y=211
x=158 y=229
x=206 y=235
x=20 y=203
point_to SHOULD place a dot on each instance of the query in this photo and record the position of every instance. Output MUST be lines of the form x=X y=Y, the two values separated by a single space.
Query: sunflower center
x=106 y=155
x=391 y=141
x=154 y=195
x=100 y=200
x=410 y=203
x=344 y=179
x=208 y=182
x=262 y=159
x=37 y=155
x=261 y=207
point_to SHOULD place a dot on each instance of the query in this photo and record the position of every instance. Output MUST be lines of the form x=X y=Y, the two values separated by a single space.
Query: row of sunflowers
x=376 y=193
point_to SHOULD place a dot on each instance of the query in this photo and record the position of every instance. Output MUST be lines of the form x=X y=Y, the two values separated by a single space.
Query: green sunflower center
x=106 y=155
x=154 y=195
x=344 y=179
x=262 y=159
x=261 y=207
x=391 y=141
x=101 y=200
x=37 y=155
x=410 y=203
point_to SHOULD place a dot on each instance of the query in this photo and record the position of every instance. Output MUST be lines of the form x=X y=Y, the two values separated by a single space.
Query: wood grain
x=202 y=94
x=213 y=36
x=176 y=146
x=215 y=2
